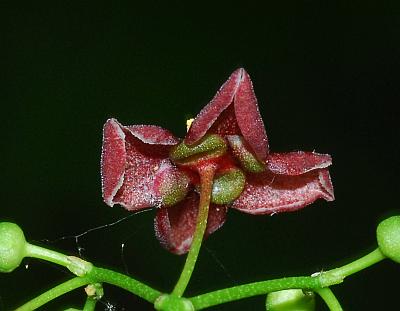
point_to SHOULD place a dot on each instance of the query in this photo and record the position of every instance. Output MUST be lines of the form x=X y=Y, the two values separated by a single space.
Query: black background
x=326 y=77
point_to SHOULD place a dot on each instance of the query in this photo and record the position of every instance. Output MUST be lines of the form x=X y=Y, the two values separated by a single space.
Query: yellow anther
x=188 y=124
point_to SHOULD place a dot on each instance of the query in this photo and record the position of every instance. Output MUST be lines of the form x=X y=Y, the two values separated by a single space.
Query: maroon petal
x=209 y=114
x=249 y=118
x=296 y=163
x=268 y=193
x=113 y=158
x=131 y=158
x=175 y=225
x=152 y=134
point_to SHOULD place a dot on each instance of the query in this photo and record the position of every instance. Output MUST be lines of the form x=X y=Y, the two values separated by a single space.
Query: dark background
x=326 y=77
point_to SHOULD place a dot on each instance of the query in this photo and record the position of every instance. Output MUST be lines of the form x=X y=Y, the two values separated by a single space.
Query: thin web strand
x=76 y=237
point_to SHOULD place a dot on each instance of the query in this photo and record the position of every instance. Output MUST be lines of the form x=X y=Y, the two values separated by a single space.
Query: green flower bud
x=95 y=291
x=227 y=187
x=388 y=236
x=173 y=303
x=210 y=147
x=12 y=246
x=290 y=300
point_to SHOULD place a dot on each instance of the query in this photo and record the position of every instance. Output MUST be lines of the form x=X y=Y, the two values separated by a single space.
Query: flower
x=145 y=166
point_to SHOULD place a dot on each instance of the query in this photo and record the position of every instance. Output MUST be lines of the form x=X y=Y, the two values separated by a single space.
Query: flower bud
x=228 y=186
x=388 y=236
x=209 y=148
x=12 y=246
x=95 y=291
x=290 y=300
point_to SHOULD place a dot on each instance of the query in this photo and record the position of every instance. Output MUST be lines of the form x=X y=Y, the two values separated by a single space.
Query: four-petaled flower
x=145 y=166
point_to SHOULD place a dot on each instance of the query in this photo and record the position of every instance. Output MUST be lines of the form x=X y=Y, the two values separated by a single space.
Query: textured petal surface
x=131 y=158
x=226 y=123
x=209 y=114
x=152 y=134
x=268 y=193
x=113 y=158
x=249 y=118
x=297 y=163
x=174 y=226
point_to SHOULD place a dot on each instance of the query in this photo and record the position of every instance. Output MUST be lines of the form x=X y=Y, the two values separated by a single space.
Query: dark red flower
x=146 y=166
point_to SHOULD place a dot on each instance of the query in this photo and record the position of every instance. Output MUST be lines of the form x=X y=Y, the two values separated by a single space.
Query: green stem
x=94 y=293
x=315 y=283
x=74 y=264
x=95 y=275
x=90 y=304
x=206 y=181
x=253 y=289
x=336 y=276
x=101 y=275
x=47 y=254
x=329 y=298
x=53 y=293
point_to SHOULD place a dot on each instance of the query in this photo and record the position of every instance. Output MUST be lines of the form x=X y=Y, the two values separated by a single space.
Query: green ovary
x=228 y=187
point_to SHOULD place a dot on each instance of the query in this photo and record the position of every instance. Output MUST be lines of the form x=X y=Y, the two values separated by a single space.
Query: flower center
x=209 y=149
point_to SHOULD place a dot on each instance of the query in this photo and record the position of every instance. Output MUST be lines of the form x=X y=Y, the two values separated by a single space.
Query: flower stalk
x=206 y=180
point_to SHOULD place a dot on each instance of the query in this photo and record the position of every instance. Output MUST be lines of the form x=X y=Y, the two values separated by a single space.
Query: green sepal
x=209 y=147
x=173 y=189
x=228 y=186
x=242 y=153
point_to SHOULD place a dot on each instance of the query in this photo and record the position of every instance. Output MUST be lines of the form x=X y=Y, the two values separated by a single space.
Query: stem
x=90 y=304
x=336 y=276
x=317 y=283
x=101 y=275
x=94 y=293
x=206 y=181
x=74 y=264
x=253 y=289
x=96 y=275
x=329 y=298
x=53 y=293
x=47 y=254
